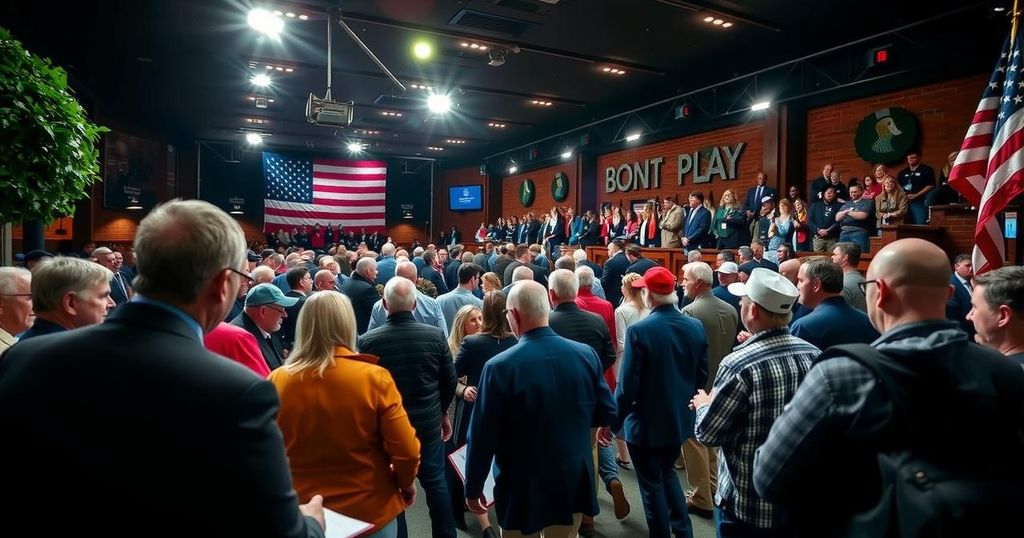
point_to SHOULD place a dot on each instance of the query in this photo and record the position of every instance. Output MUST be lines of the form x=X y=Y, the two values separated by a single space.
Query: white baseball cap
x=729 y=268
x=768 y=289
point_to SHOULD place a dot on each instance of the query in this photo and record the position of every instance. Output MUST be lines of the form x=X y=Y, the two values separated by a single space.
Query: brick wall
x=542 y=200
x=750 y=160
x=943 y=112
x=466 y=221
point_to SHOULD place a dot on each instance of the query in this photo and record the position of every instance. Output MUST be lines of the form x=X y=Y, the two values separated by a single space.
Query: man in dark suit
x=360 y=289
x=533 y=230
x=819 y=184
x=697 y=223
x=523 y=257
x=665 y=355
x=434 y=272
x=120 y=288
x=591 y=235
x=300 y=285
x=752 y=203
x=960 y=303
x=68 y=293
x=637 y=262
x=614 y=269
x=548 y=384
x=418 y=358
x=135 y=413
x=455 y=237
x=264 y=313
x=580 y=257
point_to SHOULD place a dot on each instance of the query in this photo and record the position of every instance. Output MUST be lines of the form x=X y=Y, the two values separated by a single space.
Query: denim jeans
x=660 y=491
x=607 y=467
x=388 y=531
x=727 y=526
x=435 y=489
x=858 y=236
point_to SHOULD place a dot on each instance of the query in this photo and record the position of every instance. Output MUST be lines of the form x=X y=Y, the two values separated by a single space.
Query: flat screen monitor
x=465 y=198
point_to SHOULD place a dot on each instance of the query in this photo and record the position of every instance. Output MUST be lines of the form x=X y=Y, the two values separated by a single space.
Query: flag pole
x=1013 y=22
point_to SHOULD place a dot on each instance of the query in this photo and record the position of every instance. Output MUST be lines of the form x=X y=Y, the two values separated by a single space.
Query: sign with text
x=702 y=166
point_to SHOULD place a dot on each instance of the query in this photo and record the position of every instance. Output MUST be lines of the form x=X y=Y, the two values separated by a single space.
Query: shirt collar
x=189 y=320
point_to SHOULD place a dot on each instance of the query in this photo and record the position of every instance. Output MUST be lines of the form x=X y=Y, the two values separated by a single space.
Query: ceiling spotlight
x=567 y=154
x=716 y=22
x=422 y=50
x=254 y=139
x=999 y=9
x=265 y=22
x=261 y=80
x=463 y=44
x=512 y=169
x=439 y=104
x=354 y=147
x=496 y=125
x=633 y=137
x=726 y=25
x=303 y=17
x=708 y=19
x=763 y=105
x=497 y=58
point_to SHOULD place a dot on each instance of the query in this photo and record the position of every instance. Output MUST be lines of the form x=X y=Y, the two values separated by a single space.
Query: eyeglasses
x=278 y=309
x=864 y=285
x=245 y=276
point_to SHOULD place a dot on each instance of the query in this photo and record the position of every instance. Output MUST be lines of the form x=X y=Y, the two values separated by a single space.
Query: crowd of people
x=204 y=386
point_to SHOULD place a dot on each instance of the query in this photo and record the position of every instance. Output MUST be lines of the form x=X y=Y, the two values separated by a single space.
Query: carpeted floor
x=633 y=526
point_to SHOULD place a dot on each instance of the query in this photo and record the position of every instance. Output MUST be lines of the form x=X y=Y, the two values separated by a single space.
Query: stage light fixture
x=355 y=147
x=567 y=154
x=439 y=103
x=254 y=139
x=633 y=137
x=763 y=105
x=422 y=50
x=262 y=80
x=265 y=22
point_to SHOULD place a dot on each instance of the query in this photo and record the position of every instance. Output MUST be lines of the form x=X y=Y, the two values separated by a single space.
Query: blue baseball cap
x=264 y=294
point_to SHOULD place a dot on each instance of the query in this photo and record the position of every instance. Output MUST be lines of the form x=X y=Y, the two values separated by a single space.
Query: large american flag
x=989 y=170
x=304 y=192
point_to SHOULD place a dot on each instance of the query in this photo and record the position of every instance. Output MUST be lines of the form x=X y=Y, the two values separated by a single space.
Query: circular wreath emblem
x=885 y=135
x=527 y=190
x=560 y=187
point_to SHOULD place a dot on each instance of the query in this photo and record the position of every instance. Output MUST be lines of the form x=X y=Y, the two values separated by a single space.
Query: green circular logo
x=885 y=135
x=527 y=190
x=560 y=187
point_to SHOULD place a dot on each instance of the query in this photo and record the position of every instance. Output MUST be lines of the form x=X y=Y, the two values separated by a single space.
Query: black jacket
x=568 y=320
x=611 y=280
x=288 y=323
x=540 y=274
x=640 y=266
x=135 y=413
x=592 y=235
x=420 y=362
x=363 y=295
x=273 y=351
x=434 y=276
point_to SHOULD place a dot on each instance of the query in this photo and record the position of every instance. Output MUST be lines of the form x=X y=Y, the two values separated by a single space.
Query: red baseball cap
x=657 y=279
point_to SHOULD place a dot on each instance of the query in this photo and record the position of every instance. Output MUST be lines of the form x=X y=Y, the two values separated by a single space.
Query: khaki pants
x=701 y=472
x=554 y=531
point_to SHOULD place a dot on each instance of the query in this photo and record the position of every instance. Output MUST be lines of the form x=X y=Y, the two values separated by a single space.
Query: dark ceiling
x=182 y=67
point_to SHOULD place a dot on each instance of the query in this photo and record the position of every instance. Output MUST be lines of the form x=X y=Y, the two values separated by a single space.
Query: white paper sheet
x=458 y=461
x=341 y=526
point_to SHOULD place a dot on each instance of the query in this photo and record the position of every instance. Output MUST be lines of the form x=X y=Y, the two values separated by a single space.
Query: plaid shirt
x=753 y=385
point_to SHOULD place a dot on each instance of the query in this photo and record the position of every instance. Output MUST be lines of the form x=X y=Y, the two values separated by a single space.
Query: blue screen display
x=465 y=198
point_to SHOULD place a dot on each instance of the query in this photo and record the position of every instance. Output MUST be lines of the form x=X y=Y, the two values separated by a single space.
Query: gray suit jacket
x=720 y=324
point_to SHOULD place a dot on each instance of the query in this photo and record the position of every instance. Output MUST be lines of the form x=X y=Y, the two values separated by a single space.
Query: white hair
x=418 y=251
x=399 y=295
x=9 y=277
x=387 y=249
x=699 y=271
x=579 y=255
x=585 y=276
x=564 y=283
x=61 y=275
x=658 y=299
x=522 y=273
x=365 y=264
x=531 y=300
x=262 y=271
x=694 y=256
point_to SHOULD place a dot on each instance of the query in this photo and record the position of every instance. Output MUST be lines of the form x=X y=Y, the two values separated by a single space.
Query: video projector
x=328 y=113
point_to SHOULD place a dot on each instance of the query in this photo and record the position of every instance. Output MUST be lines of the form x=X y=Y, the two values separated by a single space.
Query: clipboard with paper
x=458 y=461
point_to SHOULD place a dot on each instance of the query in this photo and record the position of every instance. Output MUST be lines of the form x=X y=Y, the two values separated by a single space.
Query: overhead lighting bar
x=391 y=114
x=255 y=97
x=633 y=137
x=717 y=21
x=435 y=148
x=540 y=102
x=473 y=46
x=256 y=121
x=367 y=132
x=567 y=154
x=280 y=68
x=496 y=125
x=420 y=86
x=763 y=105
x=455 y=141
x=613 y=70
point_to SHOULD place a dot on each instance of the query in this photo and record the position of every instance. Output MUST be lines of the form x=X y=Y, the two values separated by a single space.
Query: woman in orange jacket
x=347 y=435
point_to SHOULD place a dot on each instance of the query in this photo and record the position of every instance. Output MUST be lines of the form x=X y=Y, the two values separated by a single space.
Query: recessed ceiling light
x=303 y=17
x=708 y=19
x=463 y=44
x=265 y=22
x=716 y=22
x=254 y=139
x=726 y=24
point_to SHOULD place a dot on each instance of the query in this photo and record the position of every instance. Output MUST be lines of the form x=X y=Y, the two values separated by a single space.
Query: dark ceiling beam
x=697 y=8
x=536 y=49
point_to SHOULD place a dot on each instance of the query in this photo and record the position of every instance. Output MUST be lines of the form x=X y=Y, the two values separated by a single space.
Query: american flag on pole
x=304 y=192
x=989 y=170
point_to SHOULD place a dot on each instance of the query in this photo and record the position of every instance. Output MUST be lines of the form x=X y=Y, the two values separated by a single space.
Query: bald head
x=406 y=270
x=522 y=273
x=399 y=296
x=790 y=269
x=324 y=280
x=529 y=307
x=911 y=283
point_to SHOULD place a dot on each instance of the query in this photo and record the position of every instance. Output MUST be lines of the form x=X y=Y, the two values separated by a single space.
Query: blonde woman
x=780 y=232
x=631 y=310
x=650 y=235
x=491 y=335
x=891 y=204
x=491 y=282
x=728 y=221
x=345 y=430
x=801 y=230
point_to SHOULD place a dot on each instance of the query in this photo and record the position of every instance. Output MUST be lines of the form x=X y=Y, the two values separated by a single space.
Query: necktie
x=120 y=282
x=758 y=200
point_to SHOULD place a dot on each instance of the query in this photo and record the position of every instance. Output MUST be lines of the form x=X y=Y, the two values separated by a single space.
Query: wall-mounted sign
x=560 y=187
x=702 y=166
x=527 y=190
x=885 y=135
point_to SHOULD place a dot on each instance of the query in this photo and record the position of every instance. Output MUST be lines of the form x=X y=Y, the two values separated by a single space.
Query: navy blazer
x=533 y=416
x=959 y=305
x=134 y=412
x=834 y=322
x=753 y=203
x=611 y=278
x=698 y=228
x=640 y=266
x=664 y=362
